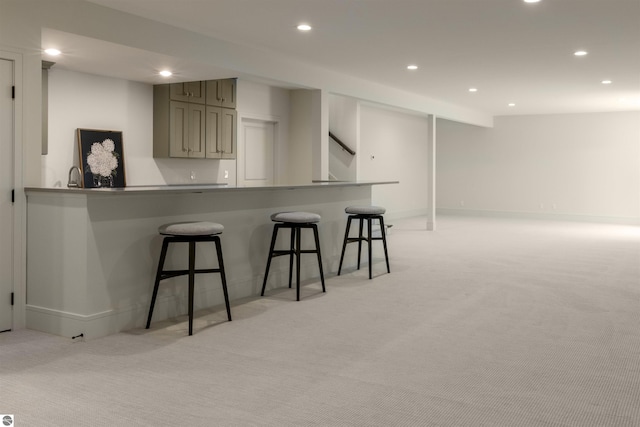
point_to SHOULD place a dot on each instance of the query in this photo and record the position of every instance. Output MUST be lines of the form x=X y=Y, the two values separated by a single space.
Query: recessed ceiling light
x=304 y=27
x=473 y=89
x=412 y=67
x=165 y=73
x=512 y=104
x=52 y=52
x=531 y=1
x=580 y=53
x=606 y=82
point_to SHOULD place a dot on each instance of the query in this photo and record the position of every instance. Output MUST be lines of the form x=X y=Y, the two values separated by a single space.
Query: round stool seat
x=296 y=217
x=365 y=210
x=193 y=228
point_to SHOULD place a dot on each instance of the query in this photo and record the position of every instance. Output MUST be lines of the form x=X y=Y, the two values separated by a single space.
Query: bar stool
x=192 y=233
x=295 y=221
x=365 y=213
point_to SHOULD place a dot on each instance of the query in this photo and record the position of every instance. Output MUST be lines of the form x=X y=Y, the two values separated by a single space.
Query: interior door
x=256 y=160
x=6 y=187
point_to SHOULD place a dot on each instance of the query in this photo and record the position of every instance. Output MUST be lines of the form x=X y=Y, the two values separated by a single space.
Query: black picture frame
x=105 y=167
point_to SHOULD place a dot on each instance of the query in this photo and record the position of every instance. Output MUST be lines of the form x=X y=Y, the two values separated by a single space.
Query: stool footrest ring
x=162 y=274
x=294 y=250
x=361 y=217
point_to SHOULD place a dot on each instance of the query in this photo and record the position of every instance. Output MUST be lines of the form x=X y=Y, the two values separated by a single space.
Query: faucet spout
x=75 y=183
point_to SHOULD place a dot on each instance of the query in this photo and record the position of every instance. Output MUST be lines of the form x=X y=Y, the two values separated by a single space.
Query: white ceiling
x=510 y=50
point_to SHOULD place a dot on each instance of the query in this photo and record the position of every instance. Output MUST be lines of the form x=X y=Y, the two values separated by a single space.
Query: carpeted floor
x=485 y=322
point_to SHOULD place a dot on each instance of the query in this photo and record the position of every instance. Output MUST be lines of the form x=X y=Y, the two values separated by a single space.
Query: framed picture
x=101 y=158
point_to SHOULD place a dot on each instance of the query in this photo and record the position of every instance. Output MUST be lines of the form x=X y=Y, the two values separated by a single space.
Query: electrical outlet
x=193 y=175
x=226 y=174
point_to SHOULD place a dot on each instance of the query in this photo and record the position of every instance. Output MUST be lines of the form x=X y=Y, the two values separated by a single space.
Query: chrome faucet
x=75 y=183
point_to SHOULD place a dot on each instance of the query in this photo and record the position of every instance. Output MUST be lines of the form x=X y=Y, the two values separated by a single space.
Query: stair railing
x=342 y=144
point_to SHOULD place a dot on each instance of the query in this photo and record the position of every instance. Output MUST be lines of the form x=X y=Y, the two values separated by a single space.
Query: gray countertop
x=198 y=188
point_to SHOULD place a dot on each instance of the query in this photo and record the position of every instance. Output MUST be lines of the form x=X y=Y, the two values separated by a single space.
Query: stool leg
x=359 y=242
x=223 y=277
x=192 y=267
x=266 y=273
x=297 y=250
x=384 y=242
x=369 y=221
x=163 y=255
x=293 y=236
x=315 y=235
x=344 y=243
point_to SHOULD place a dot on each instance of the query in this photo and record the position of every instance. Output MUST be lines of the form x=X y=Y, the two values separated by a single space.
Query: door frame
x=19 y=206
x=242 y=116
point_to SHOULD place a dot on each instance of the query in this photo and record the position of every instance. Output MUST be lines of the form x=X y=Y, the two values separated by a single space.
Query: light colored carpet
x=485 y=322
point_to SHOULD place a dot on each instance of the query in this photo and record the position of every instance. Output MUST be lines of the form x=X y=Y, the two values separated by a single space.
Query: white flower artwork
x=103 y=160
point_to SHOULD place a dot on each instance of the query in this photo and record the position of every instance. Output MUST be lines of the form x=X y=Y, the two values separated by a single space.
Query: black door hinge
x=13 y=196
x=13 y=92
x=12 y=294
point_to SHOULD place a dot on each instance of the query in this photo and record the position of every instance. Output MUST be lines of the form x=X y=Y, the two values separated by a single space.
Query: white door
x=255 y=152
x=6 y=187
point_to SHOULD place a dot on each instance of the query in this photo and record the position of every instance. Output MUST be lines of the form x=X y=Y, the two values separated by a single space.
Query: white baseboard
x=71 y=325
x=542 y=216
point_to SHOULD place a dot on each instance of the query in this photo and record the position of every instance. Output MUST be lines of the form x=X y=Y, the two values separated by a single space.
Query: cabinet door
x=221 y=93
x=213 y=96
x=213 y=132
x=188 y=92
x=178 y=129
x=227 y=92
x=228 y=133
x=197 y=130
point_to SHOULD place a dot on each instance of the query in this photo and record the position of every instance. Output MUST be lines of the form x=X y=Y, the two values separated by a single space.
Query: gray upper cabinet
x=191 y=120
x=188 y=92
x=221 y=93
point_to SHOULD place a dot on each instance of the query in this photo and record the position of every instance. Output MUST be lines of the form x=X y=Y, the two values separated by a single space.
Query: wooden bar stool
x=365 y=213
x=295 y=221
x=192 y=233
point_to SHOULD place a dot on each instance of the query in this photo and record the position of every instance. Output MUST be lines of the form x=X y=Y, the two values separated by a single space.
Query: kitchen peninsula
x=92 y=253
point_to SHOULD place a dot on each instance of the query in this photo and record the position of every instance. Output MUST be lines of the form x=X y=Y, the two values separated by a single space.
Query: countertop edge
x=197 y=188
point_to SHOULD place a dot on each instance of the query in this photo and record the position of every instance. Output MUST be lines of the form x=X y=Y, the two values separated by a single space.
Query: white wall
x=393 y=147
x=79 y=100
x=583 y=165
x=344 y=123
x=258 y=101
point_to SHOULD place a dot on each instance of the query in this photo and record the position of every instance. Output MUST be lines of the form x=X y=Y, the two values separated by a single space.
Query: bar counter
x=92 y=253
